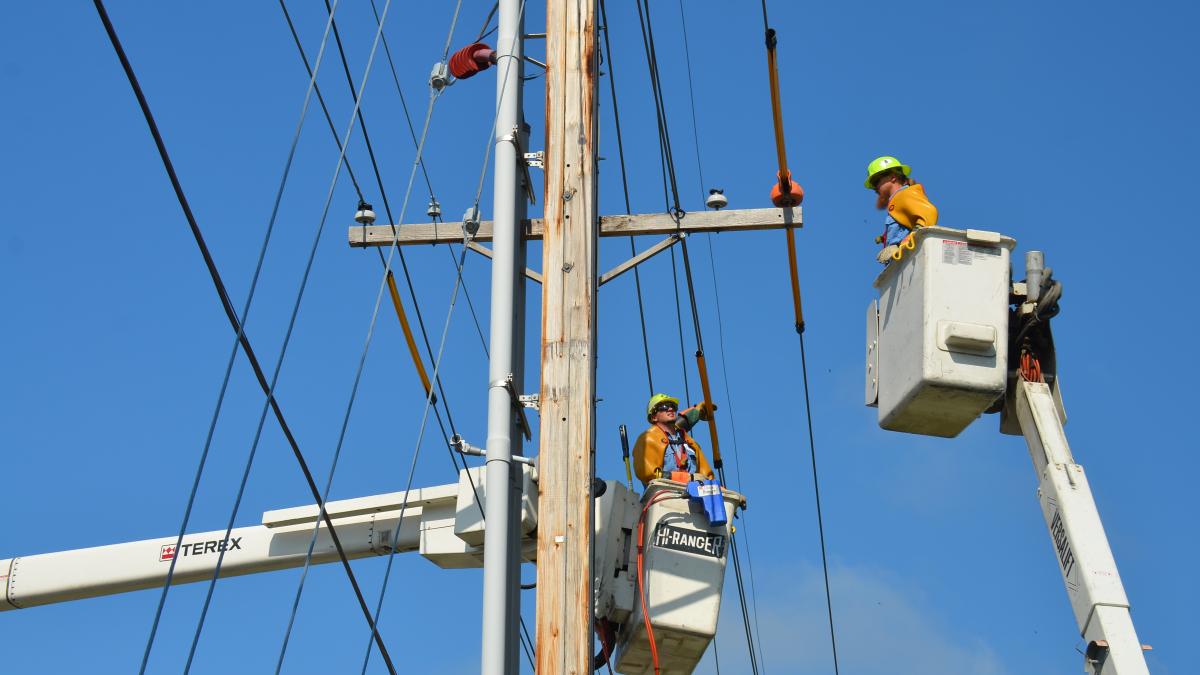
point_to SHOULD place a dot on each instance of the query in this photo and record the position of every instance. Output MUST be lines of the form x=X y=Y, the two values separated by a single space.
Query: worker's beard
x=881 y=201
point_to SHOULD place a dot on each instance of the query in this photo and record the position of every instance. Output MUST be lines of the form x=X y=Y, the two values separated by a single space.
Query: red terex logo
x=167 y=552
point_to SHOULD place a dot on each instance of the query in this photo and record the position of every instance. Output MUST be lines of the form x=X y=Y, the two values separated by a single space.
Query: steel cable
x=428 y=184
x=812 y=447
x=459 y=264
x=338 y=142
x=817 y=492
x=637 y=277
x=720 y=331
x=279 y=366
x=437 y=360
x=667 y=160
x=737 y=466
x=237 y=324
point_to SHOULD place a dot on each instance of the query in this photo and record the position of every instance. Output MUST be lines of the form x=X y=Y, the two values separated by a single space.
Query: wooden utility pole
x=567 y=399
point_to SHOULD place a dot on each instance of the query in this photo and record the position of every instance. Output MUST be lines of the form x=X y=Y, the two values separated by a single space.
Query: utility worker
x=904 y=199
x=666 y=448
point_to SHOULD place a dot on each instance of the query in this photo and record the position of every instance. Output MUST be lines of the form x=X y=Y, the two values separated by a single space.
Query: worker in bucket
x=905 y=202
x=665 y=450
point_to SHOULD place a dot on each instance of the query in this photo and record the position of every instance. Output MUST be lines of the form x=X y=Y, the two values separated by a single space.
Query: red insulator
x=471 y=59
x=794 y=196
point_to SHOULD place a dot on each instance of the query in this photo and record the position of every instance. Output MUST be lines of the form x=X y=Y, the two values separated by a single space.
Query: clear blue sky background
x=1070 y=126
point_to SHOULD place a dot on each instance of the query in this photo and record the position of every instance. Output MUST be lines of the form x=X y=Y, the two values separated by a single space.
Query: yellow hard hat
x=655 y=400
x=881 y=164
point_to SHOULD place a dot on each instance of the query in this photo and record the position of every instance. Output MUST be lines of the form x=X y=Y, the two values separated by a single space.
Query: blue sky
x=1069 y=126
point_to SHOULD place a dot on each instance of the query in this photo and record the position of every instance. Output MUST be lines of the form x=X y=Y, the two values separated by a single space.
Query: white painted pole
x=500 y=632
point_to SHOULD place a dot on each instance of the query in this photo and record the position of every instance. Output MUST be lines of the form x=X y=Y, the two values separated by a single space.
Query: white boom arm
x=1085 y=559
x=444 y=523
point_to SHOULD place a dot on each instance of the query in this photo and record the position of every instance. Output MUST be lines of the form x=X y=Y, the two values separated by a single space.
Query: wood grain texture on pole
x=569 y=268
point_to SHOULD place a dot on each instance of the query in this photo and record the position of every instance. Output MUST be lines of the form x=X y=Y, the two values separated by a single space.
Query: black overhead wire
x=667 y=163
x=328 y=118
x=664 y=137
x=637 y=277
x=737 y=565
x=387 y=205
x=687 y=53
x=483 y=30
x=392 y=222
x=461 y=283
x=687 y=390
x=677 y=210
x=812 y=446
x=733 y=434
x=239 y=327
x=290 y=331
x=387 y=51
x=817 y=492
x=320 y=98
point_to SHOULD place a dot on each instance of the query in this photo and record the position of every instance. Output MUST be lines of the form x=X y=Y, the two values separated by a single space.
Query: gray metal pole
x=514 y=504
x=499 y=631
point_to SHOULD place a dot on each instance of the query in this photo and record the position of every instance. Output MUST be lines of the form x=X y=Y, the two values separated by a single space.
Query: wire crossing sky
x=1067 y=126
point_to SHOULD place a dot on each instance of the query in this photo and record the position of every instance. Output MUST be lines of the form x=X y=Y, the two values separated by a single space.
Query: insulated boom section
x=1085 y=559
x=366 y=526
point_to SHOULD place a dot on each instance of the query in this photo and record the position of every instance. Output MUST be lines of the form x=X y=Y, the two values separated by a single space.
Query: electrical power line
x=675 y=208
x=637 y=277
x=278 y=368
x=235 y=321
x=720 y=330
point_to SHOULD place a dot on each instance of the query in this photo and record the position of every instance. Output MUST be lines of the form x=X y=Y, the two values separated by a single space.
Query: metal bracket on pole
x=641 y=257
x=515 y=139
x=460 y=445
x=536 y=159
x=518 y=407
x=530 y=400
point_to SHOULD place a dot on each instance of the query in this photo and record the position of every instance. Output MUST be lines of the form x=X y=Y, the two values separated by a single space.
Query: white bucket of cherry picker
x=937 y=337
x=683 y=573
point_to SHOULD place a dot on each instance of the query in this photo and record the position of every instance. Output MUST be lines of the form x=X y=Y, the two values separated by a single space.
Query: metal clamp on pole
x=517 y=405
x=461 y=446
x=528 y=159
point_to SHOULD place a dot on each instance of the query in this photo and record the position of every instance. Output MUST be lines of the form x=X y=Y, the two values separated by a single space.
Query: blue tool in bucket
x=707 y=493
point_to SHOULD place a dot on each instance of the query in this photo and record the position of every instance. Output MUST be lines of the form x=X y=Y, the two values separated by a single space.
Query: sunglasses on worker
x=664 y=407
x=884 y=179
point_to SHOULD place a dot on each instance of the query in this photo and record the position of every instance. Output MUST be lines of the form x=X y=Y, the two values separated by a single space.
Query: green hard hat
x=881 y=164
x=657 y=399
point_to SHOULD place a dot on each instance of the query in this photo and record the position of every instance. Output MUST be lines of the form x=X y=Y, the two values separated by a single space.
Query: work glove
x=885 y=255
